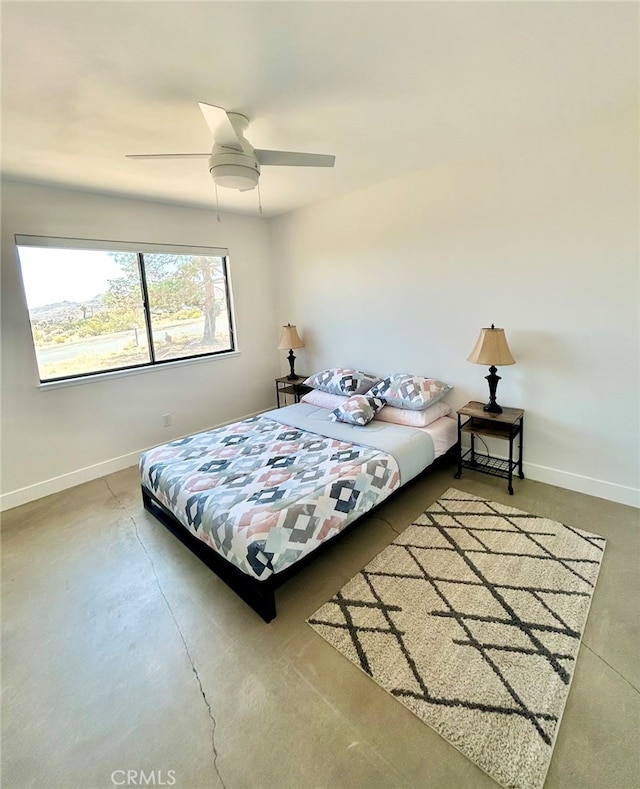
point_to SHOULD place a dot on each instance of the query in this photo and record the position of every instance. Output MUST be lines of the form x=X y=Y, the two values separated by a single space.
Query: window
x=97 y=306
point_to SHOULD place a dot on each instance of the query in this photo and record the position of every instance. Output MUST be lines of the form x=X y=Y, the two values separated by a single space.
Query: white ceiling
x=388 y=87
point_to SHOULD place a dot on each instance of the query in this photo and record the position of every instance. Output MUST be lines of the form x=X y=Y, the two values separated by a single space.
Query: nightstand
x=508 y=426
x=290 y=386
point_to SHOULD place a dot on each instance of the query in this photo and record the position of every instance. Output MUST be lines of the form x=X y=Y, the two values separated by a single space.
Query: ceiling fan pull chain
x=259 y=199
x=215 y=186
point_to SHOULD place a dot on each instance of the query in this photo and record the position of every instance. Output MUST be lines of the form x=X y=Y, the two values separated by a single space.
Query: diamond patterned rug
x=472 y=618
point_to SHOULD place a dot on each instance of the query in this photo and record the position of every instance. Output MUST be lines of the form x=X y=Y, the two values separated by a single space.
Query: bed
x=257 y=499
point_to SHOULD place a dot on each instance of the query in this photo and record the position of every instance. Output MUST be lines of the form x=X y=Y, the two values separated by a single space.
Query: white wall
x=56 y=438
x=541 y=239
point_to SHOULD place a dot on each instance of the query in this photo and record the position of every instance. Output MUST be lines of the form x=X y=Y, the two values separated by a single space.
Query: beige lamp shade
x=289 y=338
x=491 y=348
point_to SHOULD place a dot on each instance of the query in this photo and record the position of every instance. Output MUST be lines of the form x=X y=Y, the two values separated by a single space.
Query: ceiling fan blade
x=291 y=159
x=220 y=126
x=167 y=155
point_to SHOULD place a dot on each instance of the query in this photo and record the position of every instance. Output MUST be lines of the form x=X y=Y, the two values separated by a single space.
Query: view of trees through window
x=89 y=312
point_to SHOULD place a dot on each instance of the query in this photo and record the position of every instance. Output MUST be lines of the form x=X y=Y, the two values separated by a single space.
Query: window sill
x=152 y=368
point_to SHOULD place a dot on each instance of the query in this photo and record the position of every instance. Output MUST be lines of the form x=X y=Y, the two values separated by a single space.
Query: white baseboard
x=621 y=494
x=551 y=476
x=54 y=485
x=38 y=490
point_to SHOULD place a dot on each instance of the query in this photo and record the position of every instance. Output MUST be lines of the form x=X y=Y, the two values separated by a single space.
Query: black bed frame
x=260 y=595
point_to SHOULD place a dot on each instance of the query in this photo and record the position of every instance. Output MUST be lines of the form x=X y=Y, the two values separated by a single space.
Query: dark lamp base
x=492 y=407
x=292 y=375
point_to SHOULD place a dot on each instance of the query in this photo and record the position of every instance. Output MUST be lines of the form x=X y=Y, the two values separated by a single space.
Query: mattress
x=444 y=434
x=268 y=490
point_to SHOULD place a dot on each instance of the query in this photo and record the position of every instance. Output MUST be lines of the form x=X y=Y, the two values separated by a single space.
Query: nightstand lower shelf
x=487 y=464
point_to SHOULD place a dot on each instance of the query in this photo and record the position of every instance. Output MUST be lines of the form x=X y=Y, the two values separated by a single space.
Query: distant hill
x=62 y=311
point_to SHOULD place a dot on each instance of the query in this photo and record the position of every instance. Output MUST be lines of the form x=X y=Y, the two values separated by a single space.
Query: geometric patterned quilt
x=264 y=494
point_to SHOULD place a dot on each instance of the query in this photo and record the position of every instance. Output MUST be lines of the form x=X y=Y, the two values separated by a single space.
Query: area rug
x=473 y=619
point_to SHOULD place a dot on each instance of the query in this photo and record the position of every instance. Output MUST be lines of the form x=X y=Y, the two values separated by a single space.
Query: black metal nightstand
x=508 y=426
x=290 y=386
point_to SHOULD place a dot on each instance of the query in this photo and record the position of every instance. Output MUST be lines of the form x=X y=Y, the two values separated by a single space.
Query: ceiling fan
x=233 y=162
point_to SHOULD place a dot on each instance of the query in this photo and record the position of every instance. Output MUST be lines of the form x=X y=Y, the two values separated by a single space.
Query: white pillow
x=403 y=416
x=324 y=399
x=397 y=416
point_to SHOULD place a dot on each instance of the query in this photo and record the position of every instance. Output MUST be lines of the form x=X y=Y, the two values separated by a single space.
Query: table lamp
x=492 y=349
x=290 y=339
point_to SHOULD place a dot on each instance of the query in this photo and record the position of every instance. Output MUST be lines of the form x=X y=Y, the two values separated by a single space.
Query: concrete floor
x=122 y=652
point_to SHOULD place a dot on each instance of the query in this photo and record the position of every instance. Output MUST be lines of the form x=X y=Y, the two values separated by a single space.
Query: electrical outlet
x=166 y=420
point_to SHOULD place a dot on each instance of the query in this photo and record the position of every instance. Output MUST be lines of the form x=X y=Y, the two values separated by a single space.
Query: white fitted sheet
x=444 y=432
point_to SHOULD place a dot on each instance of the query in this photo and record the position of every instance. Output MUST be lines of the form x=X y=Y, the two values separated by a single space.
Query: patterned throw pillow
x=358 y=410
x=402 y=390
x=342 y=381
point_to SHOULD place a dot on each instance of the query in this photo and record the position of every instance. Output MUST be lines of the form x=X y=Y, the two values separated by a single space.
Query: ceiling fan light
x=235 y=176
x=234 y=169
